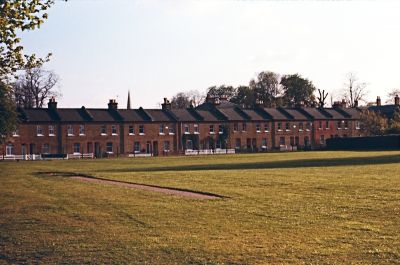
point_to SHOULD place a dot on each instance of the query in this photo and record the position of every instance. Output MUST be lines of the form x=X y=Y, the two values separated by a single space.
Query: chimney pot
x=52 y=103
x=378 y=101
x=112 y=104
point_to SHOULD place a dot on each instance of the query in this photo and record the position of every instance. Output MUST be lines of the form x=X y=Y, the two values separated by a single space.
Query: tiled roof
x=315 y=113
x=334 y=113
x=130 y=115
x=183 y=115
x=253 y=115
x=207 y=115
x=70 y=115
x=232 y=114
x=276 y=114
x=37 y=115
x=158 y=115
x=101 y=115
x=295 y=114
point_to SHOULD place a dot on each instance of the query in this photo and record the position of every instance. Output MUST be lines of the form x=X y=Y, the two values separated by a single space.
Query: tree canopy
x=297 y=90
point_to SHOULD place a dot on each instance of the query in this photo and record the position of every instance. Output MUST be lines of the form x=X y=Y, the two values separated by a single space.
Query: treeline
x=268 y=88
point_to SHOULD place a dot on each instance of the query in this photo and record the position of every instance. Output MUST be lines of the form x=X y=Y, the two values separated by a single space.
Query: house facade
x=214 y=125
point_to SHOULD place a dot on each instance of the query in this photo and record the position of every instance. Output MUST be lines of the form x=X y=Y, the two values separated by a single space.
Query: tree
x=180 y=101
x=8 y=115
x=222 y=91
x=354 y=91
x=373 y=123
x=195 y=97
x=297 y=90
x=392 y=94
x=394 y=123
x=245 y=96
x=16 y=16
x=266 y=87
x=34 y=87
x=322 y=98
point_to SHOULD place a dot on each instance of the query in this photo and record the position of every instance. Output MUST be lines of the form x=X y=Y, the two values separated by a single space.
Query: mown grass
x=306 y=207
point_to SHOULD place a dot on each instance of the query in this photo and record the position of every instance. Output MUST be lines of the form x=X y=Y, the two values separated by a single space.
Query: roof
x=72 y=115
x=207 y=115
x=183 y=115
x=335 y=114
x=232 y=114
x=37 y=115
x=315 y=113
x=253 y=115
x=386 y=110
x=130 y=115
x=297 y=115
x=276 y=114
x=158 y=115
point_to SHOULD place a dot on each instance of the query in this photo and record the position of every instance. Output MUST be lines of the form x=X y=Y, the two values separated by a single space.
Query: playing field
x=277 y=208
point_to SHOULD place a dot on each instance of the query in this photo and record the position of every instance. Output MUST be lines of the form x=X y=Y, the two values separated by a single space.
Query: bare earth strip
x=170 y=191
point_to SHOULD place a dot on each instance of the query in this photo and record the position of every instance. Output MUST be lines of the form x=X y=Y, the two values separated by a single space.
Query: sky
x=157 y=48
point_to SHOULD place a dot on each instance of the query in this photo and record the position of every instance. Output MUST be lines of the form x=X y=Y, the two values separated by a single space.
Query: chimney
x=397 y=100
x=166 y=105
x=337 y=104
x=112 y=104
x=356 y=103
x=52 y=103
x=378 y=101
x=343 y=103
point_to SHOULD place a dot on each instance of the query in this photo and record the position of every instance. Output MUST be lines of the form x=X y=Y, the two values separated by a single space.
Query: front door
x=148 y=147
x=155 y=148
x=23 y=150
x=97 y=150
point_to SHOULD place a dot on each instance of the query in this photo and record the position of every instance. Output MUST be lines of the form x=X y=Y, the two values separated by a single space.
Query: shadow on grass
x=300 y=163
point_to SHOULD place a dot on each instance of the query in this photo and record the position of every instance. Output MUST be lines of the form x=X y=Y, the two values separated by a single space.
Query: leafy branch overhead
x=15 y=16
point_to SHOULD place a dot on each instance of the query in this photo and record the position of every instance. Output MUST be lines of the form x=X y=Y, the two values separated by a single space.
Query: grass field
x=279 y=208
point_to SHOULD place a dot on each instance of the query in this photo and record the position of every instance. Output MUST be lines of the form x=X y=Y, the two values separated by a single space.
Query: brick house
x=216 y=124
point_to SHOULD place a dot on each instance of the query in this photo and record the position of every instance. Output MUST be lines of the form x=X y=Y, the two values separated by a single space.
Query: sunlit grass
x=306 y=207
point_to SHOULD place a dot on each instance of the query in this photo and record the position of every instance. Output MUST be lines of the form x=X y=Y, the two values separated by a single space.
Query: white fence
x=140 y=155
x=21 y=157
x=209 y=152
x=80 y=156
x=286 y=148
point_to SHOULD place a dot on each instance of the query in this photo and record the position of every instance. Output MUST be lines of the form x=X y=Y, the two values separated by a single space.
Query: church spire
x=128 y=104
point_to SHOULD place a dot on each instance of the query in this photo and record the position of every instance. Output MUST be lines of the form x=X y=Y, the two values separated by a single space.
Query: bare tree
x=354 y=91
x=322 y=97
x=34 y=87
x=196 y=97
x=392 y=94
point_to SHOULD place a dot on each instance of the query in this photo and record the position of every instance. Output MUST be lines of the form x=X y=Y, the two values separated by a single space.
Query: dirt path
x=171 y=191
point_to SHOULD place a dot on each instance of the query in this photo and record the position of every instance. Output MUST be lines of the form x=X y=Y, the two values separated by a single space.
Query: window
x=109 y=147
x=308 y=126
x=244 y=127
x=9 y=150
x=339 y=125
x=77 y=148
x=70 y=130
x=212 y=129
x=327 y=125
x=51 y=130
x=301 y=126
x=258 y=127
x=161 y=129
x=358 y=126
x=264 y=143
x=221 y=129
x=186 y=128
x=166 y=146
x=81 y=129
x=103 y=130
x=136 y=147
x=266 y=127
x=322 y=139
x=189 y=145
x=287 y=126
x=114 y=129
x=282 y=141
x=15 y=133
x=346 y=125
x=131 y=130
x=171 y=130
x=320 y=126
x=46 y=149
x=238 y=143
x=196 y=129
x=39 y=130
x=279 y=126
x=141 y=129
x=235 y=127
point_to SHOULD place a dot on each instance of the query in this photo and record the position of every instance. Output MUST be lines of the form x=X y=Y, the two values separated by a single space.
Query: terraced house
x=217 y=126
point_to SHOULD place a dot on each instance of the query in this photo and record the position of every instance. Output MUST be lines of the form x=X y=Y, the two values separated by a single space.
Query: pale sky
x=102 y=48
